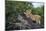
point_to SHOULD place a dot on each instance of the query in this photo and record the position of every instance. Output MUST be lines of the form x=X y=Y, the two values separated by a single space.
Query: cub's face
x=27 y=14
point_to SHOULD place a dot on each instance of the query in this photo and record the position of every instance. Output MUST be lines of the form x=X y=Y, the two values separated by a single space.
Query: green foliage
x=38 y=11
x=17 y=7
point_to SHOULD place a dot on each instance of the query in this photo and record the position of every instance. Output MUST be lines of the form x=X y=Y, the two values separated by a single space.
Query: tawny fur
x=36 y=18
